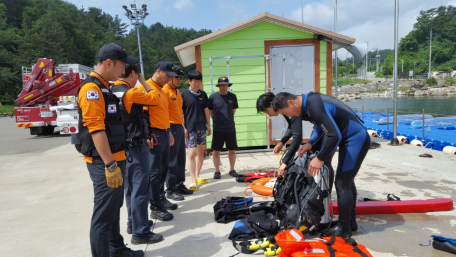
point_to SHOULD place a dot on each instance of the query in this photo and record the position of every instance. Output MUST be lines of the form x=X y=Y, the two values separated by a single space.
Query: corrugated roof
x=184 y=51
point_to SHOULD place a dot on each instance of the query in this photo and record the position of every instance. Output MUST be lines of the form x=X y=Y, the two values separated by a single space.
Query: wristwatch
x=112 y=166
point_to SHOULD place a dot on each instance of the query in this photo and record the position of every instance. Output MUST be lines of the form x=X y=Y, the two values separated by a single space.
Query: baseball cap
x=167 y=67
x=179 y=71
x=114 y=51
x=223 y=81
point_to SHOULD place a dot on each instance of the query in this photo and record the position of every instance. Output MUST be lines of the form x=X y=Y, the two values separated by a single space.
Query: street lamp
x=137 y=16
x=336 y=86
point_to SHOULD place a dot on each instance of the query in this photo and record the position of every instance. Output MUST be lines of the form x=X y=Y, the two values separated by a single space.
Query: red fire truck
x=49 y=97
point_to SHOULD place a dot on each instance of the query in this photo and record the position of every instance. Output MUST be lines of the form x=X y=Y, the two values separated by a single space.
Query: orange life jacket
x=293 y=244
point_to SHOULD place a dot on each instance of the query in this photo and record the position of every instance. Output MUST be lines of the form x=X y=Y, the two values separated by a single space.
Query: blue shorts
x=196 y=138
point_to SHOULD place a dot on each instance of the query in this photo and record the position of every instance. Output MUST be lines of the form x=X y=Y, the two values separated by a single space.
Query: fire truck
x=49 y=97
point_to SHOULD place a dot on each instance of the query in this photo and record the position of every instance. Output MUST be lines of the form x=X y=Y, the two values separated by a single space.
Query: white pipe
x=416 y=142
x=402 y=139
x=449 y=150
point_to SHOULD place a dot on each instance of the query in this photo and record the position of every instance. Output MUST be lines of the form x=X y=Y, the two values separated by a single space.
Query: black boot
x=337 y=231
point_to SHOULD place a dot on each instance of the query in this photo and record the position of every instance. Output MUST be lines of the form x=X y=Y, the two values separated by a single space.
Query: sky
x=369 y=21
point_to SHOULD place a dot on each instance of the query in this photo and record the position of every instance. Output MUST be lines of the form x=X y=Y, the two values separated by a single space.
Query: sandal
x=193 y=186
x=202 y=180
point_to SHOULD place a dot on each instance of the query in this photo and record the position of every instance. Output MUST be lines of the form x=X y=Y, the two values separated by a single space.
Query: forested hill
x=30 y=29
x=414 y=48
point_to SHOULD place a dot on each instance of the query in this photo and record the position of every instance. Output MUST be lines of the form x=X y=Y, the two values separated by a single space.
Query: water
x=436 y=106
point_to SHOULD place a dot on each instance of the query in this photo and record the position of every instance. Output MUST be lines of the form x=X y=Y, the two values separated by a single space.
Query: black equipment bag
x=235 y=208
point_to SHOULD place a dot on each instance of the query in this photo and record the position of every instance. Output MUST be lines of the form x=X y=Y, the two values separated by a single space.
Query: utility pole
x=430 y=53
x=395 y=141
x=402 y=65
x=136 y=17
x=378 y=59
x=302 y=11
x=336 y=86
x=367 y=56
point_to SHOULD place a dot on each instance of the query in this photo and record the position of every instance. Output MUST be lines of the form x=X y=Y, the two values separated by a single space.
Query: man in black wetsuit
x=341 y=127
x=294 y=129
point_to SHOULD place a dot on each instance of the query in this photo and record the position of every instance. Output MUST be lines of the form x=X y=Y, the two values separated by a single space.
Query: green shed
x=261 y=54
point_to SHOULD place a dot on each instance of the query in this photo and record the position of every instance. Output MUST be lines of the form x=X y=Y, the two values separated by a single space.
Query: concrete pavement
x=47 y=201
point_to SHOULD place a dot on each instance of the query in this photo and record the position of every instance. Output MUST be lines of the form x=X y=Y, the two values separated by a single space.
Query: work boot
x=159 y=212
x=174 y=196
x=337 y=231
x=168 y=205
x=183 y=190
x=127 y=252
x=149 y=223
x=151 y=238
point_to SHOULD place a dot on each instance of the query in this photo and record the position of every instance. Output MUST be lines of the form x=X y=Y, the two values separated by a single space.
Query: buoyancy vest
x=298 y=199
x=135 y=121
x=114 y=127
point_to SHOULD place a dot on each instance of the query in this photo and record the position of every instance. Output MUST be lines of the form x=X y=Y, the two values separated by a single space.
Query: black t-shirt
x=193 y=107
x=222 y=107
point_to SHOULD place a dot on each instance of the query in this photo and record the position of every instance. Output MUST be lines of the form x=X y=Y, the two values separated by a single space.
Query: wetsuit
x=294 y=130
x=341 y=128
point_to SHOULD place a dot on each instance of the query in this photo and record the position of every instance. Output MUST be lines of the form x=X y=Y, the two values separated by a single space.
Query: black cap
x=179 y=71
x=167 y=67
x=224 y=81
x=114 y=51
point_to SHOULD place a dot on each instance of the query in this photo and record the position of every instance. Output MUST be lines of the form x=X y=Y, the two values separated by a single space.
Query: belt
x=136 y=142
x=159 y=129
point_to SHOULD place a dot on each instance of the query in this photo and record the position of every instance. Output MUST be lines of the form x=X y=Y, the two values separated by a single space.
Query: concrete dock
x=47 y=201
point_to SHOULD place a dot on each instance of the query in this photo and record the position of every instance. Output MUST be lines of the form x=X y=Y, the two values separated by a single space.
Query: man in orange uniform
x=102 y=137
x=159 y=127
x=175 y=179
x=132 y=101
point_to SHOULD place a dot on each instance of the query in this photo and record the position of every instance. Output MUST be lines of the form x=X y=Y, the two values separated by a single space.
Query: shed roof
x=186 y=51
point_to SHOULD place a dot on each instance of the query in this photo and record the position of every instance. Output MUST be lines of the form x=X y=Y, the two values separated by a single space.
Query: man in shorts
x=222 y=107
x=197 y=126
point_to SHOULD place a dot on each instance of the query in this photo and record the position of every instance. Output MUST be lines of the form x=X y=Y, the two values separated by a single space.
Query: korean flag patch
x=92 y=95
x=112 y=108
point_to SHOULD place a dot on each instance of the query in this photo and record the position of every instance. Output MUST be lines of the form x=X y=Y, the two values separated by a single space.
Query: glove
x=113 y=175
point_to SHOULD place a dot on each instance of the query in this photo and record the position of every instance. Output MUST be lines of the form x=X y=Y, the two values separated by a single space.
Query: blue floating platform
x=435 y=137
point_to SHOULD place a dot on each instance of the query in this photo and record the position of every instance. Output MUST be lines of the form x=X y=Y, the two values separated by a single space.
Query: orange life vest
x=293 y=244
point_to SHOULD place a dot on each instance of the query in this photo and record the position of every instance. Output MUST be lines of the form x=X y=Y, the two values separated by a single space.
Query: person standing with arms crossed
x=102 y=137
x=197 y=126
x=132 y=101
x=175 y=188
x=159 y=127
x=222 y=107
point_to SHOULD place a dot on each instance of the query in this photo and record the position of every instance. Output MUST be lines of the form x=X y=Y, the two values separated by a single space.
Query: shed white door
x=292 y=71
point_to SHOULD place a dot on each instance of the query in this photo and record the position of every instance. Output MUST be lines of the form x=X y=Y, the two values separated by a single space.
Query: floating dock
x=436 y=135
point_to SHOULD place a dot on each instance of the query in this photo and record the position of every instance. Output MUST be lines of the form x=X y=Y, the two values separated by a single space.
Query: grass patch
x=6 y=109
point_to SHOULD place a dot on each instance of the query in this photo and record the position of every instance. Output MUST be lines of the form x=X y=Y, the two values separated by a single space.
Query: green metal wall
x=248 y=75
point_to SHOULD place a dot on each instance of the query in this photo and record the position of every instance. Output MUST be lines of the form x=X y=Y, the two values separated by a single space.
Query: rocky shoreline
x=385 y=89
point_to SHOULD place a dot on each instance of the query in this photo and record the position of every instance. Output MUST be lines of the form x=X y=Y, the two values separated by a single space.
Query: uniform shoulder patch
x=112 y=108
x=92 y=95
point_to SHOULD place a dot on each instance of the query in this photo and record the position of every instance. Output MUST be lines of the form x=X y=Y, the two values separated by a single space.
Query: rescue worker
x=222 y=107
x=342 y=128
x=175 y=188
x=197 y=126
x=159 y=127
x=132 y=101
x=102 y=137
